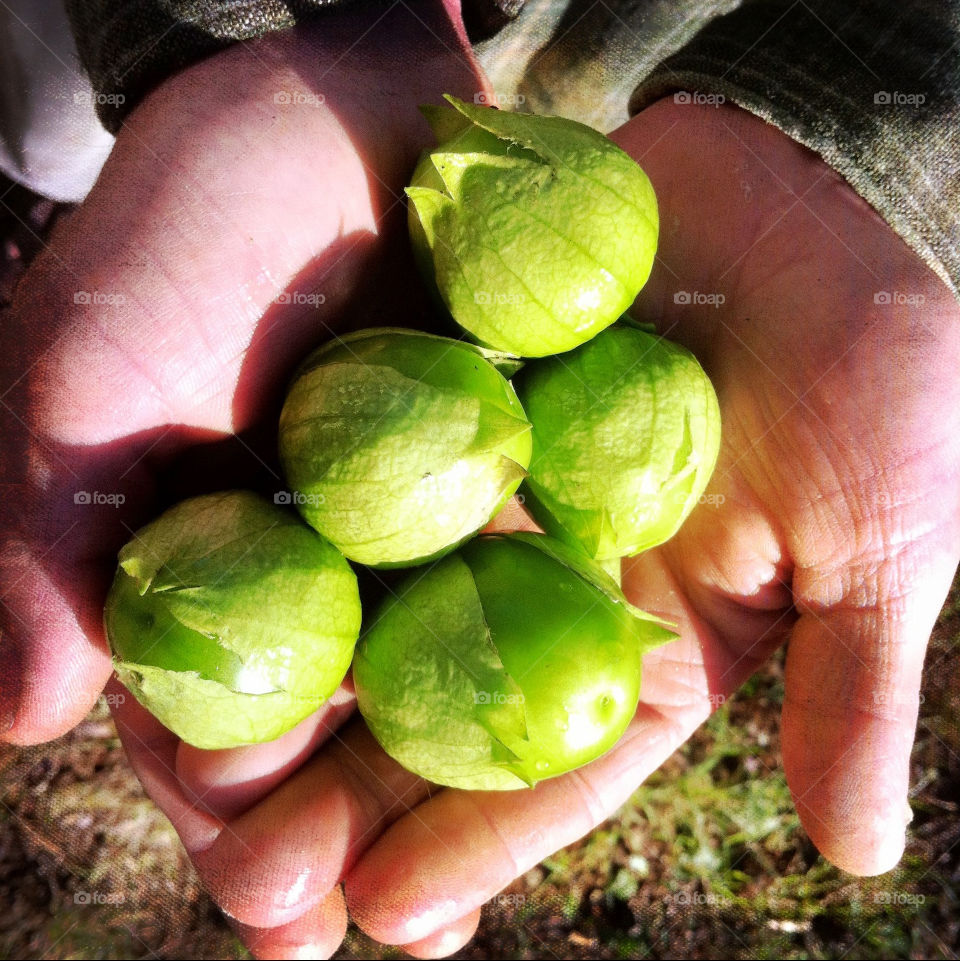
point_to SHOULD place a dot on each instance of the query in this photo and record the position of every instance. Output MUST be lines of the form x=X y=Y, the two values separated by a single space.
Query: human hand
x=831 y=519
x=151 y=324
x=274 y=865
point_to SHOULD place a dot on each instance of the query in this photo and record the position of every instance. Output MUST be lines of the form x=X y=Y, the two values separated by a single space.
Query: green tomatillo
x=513 y=660
x=231 y=620
x=536 y=232
x=626 y=431
x=400 y=445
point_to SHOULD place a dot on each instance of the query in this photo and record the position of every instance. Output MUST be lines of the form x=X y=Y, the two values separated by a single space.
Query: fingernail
x=305 y=952
x=891 y=840
x=419 y=926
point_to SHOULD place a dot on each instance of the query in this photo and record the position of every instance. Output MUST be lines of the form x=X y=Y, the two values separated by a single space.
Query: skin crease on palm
x=835 y=521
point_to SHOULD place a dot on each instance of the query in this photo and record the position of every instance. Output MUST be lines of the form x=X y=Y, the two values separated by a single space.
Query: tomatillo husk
x=230 y=620
x=536 y=232
x=513 y=660
x=399 y=445
x=626 y=431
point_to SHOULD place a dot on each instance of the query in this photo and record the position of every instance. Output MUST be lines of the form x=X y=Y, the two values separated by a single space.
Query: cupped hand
x=247 y=200
x=831 y=520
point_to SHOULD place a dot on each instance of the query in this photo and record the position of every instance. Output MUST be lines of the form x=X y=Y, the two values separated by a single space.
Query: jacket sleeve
x=872 y=86
x=128 y=46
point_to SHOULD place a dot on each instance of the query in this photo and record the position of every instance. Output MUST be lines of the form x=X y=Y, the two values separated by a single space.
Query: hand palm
x=833 y=514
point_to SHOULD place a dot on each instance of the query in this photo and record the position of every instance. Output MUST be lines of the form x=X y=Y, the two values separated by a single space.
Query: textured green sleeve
x=872 y=86
x=128 y=46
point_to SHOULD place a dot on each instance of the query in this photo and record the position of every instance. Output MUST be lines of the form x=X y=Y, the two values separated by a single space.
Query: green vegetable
x=513 y=660
x=626 y=431
x=399 y=445
x=230 y=620
x=537 y=232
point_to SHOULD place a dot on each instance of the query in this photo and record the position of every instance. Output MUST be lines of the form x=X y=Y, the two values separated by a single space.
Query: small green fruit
x=537 y=232
x=511 y=661
x=400 y=445
x=626 y=431
x=230 y=620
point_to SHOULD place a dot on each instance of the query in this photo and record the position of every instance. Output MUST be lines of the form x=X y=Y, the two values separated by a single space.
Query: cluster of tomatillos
x=507 y=658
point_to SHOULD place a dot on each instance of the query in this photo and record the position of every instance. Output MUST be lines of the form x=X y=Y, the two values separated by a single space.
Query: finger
x=51 y=672
x=152 y=751
x=460 y=848
x=443 y=942
x=317 y=933
x=227 y=783
x=851 y=701
x=268 y=866
x=285 y=854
